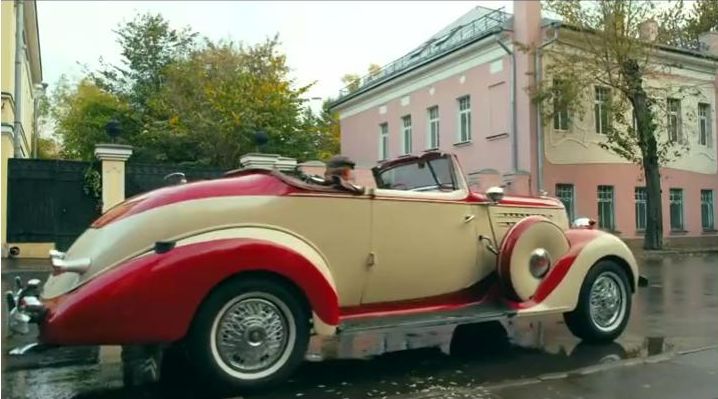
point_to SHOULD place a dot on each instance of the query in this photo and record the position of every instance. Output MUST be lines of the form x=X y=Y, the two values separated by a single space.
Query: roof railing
x=452 y=39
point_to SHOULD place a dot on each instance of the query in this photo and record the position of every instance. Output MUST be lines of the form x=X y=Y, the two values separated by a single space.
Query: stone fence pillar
x=113 y=157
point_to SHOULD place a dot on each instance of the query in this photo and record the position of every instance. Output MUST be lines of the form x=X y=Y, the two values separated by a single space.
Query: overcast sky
x=322 y=40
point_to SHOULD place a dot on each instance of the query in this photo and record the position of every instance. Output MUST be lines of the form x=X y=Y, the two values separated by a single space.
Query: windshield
x=422 y=175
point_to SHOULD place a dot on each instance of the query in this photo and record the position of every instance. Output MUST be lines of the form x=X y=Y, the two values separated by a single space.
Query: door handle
x=468 y=218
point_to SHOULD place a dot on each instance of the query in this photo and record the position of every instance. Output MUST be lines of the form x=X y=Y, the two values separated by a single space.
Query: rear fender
x=154 y=297
x=560 y=289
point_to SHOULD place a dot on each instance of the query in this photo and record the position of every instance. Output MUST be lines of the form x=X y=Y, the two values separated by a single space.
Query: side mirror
x=495 y=194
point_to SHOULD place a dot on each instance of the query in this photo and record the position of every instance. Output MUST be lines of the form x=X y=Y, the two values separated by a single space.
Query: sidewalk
x=20 y=265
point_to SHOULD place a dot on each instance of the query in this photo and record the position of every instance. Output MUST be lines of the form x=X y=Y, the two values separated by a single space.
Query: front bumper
x=24 y=306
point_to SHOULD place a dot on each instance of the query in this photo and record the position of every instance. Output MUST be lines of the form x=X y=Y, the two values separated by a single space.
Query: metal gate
x=140 y=178
x=49 y=201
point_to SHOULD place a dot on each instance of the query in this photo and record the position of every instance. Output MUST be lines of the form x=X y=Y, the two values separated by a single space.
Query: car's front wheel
x=249 y=334
x=604 y=304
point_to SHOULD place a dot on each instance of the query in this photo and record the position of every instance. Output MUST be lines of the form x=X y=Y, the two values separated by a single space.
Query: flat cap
x=340 y=161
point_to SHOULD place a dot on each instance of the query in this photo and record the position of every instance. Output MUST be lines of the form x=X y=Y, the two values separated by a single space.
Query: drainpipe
x=512 y=89
x=539 y=119
x=19 y=57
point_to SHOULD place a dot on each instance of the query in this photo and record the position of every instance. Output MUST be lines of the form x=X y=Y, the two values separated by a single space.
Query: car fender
x=560 y=289
x=154 y=297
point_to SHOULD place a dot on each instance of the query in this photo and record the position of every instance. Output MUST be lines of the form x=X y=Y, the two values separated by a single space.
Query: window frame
x=671 y=115
x=571 y=190
x=642 y=203
x=406 y=128
x=705 y=134
x=561 y=119
x=601 y=97
x=679 y=201
x=383 y=141
x=612 y=207
x=708 y=215
x=464 y=136
x=433 y=136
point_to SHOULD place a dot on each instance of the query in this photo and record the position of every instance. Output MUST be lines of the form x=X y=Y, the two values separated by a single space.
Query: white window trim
x=429 y=133
x=383 y=144
x=459 y=114
x=677 y=114
x=705 y=120
x=602 y=109
x=404 y=130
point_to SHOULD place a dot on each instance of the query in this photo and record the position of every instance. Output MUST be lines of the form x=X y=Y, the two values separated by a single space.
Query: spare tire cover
x=520 y=240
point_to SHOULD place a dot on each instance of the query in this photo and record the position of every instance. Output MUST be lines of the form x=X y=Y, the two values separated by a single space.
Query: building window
x=707 y=217
x=674 y=119
x=600 y=109
x=560 y=108
x=433 y=128
x=641 y=208
x=704 y=123
x=676 y=200
x=464 y=119
x=605 y=208
x=564 y=192
x=383 y=141
x=406 y=134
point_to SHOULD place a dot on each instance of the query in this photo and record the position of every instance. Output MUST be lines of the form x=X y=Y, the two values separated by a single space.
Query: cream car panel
x=344 y=244
x=565 y=296
x=421 y=249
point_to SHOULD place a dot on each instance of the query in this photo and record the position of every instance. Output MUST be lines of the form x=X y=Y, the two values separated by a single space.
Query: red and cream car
x=242 y=270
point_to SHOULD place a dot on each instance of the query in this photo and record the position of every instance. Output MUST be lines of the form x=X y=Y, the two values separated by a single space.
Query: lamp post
x=260 y=139
x=113 y=129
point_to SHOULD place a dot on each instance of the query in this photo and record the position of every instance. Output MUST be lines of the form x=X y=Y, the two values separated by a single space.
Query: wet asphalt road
x=678 y=311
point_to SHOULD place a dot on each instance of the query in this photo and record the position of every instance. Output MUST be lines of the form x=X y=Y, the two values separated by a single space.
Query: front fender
x=153 y=298
x=560 y=289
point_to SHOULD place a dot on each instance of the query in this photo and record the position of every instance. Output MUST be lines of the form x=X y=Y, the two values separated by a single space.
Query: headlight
x=539 y=262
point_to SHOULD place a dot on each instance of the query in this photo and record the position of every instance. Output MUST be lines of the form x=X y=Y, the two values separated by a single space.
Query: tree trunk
x=645 y=129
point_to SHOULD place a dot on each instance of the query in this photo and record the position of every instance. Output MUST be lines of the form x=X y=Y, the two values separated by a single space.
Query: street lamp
x=113 y=129
x=260 y=139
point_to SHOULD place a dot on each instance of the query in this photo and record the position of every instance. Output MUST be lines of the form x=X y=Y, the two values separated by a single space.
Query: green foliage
x=81 y=113
x=182 y=100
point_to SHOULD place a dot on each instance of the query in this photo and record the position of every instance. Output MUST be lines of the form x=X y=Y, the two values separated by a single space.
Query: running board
x=469 y=314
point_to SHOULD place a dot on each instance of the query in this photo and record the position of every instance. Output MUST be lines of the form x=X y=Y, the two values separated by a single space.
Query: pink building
x=464 y=91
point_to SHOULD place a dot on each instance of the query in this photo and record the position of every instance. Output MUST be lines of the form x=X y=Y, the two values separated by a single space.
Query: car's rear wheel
x=604 y=304
x=249 y=334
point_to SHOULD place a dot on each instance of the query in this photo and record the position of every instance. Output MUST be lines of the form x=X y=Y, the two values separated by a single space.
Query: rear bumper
x=24 y=306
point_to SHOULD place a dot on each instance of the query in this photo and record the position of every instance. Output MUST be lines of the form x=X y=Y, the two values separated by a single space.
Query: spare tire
x=527 y=255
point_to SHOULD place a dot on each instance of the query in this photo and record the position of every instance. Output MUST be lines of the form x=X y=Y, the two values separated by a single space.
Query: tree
x=81 y=114
x=148 y=46
x=352 y=82
x=600 y=44
x=224 y=93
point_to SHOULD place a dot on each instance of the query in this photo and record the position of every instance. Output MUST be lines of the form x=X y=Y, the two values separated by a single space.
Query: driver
x=339 y=166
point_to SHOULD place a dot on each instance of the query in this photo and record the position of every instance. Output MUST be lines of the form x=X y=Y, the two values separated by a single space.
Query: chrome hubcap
x=252 y=334
x=607 y=301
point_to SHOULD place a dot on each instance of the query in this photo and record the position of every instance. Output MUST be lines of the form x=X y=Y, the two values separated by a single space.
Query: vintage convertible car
x=240 y=271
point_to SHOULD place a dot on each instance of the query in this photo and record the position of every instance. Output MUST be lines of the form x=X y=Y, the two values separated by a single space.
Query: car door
x=421 y=247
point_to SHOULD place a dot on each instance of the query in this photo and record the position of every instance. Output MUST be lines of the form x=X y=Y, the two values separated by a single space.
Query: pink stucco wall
x=489 y=117
x=625 y=177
